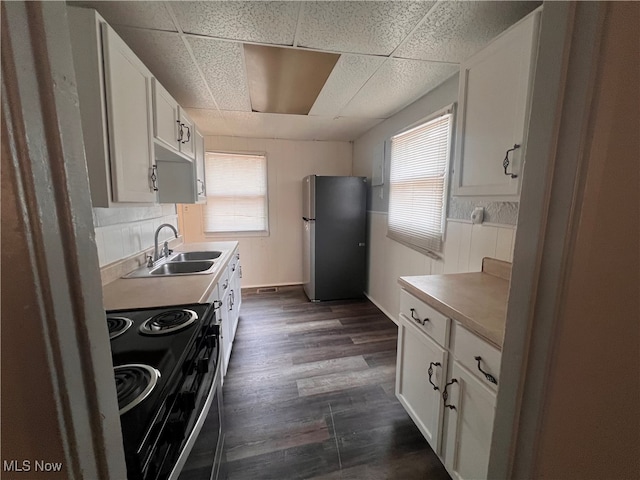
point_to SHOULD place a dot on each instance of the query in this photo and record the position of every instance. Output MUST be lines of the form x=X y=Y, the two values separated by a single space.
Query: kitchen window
x=419 y=173
x=236 y=193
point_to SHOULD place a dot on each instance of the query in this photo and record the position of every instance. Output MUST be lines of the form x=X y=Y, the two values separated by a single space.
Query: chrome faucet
x=165 y=248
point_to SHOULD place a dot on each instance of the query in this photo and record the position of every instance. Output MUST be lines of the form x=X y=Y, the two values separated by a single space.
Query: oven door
x=201 y=457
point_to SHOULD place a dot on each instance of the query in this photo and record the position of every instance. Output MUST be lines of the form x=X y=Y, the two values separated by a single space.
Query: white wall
x=275 y=259
x=465 y=244
x=125 y=231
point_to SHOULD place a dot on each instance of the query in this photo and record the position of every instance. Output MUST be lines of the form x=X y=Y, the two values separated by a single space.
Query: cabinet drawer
x=432 y=322
x=467 y=347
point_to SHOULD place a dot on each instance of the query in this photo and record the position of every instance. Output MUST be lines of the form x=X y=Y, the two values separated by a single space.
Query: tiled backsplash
x=122 y=232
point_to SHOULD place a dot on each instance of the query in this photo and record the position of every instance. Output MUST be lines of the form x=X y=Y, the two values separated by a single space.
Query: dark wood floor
x=309 y=394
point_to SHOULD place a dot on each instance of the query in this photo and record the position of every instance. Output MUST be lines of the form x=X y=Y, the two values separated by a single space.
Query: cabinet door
x=469 y=425
x=188 y=135
x=493 y=113
x=165 y=117
x=201 y=187
x=128 y=93
x=417 y=353
x=227 y=336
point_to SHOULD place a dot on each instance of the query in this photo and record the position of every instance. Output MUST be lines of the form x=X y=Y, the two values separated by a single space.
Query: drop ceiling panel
x=265 y=22
x=453 y=31
x=166 y=55
x=358 y=27
x=273 y=125
x=286 y=80
x=223 y=66
x=327 y=128
x=348 y=76
x=133 y=14
x=396 y=84
x=208 y=121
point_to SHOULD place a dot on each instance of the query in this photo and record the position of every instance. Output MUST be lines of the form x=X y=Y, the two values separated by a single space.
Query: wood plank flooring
x=309 y=394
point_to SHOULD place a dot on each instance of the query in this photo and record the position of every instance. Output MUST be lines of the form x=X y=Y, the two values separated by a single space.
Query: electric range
x=166 y=366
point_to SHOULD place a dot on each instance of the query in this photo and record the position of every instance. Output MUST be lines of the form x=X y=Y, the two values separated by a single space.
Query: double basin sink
x=182 y=263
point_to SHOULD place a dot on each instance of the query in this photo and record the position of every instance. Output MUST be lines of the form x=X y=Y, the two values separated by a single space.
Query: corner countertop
x=128 y=293
x=478 y=301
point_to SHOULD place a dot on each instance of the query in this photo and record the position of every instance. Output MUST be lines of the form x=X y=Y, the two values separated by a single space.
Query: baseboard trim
x=391 y=317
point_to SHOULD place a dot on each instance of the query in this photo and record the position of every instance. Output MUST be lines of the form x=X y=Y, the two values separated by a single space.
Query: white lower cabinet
x=227 y=297
x=420 y=379
x=469 y=424
x=448 y=386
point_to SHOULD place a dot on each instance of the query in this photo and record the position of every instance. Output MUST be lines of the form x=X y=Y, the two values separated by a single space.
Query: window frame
x=449 y=109
x=240 y=233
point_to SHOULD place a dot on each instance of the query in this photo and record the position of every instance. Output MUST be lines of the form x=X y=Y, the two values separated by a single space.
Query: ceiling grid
x=391 y=54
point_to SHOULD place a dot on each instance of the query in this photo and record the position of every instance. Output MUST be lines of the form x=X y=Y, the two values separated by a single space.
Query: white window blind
x=418 y=184
x=236 y=193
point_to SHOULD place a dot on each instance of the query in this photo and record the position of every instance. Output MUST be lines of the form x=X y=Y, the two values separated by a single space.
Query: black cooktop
x=166 y=350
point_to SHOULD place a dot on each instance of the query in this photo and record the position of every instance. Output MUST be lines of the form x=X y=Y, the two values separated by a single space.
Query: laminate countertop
x=128 y=293
x=478 y=301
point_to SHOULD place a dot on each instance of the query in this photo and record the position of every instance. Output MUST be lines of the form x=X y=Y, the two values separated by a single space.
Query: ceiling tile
x=208 y=121
x=454 y=31
x=166 y=55
x=223 y=66
x=359 y=27
x=133 y=14
x=347 y=78
x=328 y=128
x=274 y=125
x=396 y=84
x=265 y=22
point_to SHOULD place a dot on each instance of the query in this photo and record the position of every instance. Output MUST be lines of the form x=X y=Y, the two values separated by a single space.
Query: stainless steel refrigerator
x=335 y=231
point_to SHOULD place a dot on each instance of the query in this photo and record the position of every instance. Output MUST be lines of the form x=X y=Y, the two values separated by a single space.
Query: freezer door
x=309 y=197
x=308 y=263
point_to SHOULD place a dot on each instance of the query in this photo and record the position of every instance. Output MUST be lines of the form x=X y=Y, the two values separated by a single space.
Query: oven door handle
x=184 y=454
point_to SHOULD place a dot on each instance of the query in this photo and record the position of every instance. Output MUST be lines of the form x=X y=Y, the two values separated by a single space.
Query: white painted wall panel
x=275 y=259
x=465 y=245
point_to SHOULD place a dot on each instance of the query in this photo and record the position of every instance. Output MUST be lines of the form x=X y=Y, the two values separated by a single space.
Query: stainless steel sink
x=191 y=256
x=182 y=268
x=170 y=269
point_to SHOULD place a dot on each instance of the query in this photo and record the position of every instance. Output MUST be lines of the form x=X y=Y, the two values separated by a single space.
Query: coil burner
x=134 y=383
x=167 y=322
x=117 y=326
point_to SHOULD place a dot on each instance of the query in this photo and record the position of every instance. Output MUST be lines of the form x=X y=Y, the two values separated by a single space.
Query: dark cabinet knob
x=203 y=365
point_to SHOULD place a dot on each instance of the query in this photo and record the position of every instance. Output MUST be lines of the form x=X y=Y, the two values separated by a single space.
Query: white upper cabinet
x=128 y=96
x=187 y=135
x=172 y=127
x=166 y=118
x=201 y=186
x=139 y=145
x=493 y=113
x=114 y=90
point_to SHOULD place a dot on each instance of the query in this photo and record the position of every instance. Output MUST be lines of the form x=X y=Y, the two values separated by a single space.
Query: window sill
x=234 y=235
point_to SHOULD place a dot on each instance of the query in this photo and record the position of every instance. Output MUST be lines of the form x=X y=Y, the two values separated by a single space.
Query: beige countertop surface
x=127 y=293
x=477 y=300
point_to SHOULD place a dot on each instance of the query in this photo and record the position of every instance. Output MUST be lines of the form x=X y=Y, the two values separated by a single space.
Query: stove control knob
x=203 y=365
